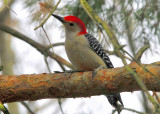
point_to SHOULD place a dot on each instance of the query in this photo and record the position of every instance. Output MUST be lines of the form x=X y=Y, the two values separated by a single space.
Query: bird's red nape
x=78 y=21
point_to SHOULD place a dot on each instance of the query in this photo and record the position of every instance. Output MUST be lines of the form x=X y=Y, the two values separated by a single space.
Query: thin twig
x=132 y=110
x=52 y=50
x=5 y=4
x=45 y=59
x=60 y=105
x=54 y=45
x=113 y=53
x=157 y=97
x=27 y=107
x=48 y=40
x=3 y=108
x=127 y=24
x=140 y=52
x=48 y=16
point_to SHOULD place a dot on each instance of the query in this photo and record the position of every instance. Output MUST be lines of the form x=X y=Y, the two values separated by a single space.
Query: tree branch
x=79 y=84
x=140 y=52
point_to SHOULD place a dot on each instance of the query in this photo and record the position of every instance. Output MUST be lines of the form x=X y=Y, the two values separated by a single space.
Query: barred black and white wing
x=97 y=47
x=113 y=98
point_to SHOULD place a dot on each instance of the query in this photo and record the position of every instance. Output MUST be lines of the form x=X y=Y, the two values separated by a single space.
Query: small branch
x=157 y=97
x=45 y=59
x=36 y=45
x=79 y=84
x=27 y=107
x=54 y=45
x=128 y=24
x=48 y=15
x=4 y=10
x=113 y=53
x=132 y=110
x=140 y=52
x=60 y=105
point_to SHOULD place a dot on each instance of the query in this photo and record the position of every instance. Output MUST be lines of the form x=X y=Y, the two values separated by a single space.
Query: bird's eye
x=71 y=24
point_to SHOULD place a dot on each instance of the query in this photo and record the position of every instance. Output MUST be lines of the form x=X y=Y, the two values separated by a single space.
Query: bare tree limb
x=79 y=84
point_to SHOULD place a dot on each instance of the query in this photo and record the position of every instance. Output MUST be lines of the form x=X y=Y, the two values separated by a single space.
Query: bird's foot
x=97 y=69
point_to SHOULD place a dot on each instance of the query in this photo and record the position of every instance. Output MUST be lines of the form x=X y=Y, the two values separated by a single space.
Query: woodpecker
x=85 y=52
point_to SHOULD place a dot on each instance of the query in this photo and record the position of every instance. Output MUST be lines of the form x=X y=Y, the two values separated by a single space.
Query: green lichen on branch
x=3 y=109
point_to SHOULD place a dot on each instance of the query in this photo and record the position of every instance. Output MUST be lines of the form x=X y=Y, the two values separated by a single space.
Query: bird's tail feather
x=113 y=100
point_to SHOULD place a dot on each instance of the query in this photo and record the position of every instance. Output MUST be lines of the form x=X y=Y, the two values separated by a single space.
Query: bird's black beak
x=59 y=18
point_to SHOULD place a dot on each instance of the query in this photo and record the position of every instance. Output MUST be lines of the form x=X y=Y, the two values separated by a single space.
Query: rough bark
x=79 y=84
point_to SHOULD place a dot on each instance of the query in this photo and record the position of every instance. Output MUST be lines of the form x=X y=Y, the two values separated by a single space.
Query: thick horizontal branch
x=79 y=84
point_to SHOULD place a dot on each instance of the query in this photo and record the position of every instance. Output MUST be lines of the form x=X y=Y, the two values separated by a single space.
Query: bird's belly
x=84 y=58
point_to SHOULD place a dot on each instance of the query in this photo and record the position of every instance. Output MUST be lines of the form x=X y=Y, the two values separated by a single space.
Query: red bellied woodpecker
x=85 y=52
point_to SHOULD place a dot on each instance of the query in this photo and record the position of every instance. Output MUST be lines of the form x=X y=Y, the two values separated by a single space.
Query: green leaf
x=5 y=2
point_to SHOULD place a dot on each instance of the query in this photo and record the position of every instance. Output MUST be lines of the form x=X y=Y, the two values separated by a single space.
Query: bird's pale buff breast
x=81 y=55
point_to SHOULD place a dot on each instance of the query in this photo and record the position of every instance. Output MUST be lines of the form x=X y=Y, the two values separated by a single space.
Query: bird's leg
x=97 y=69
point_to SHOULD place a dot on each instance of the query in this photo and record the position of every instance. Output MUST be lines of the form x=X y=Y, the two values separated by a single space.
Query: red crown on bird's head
x=78 y=21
